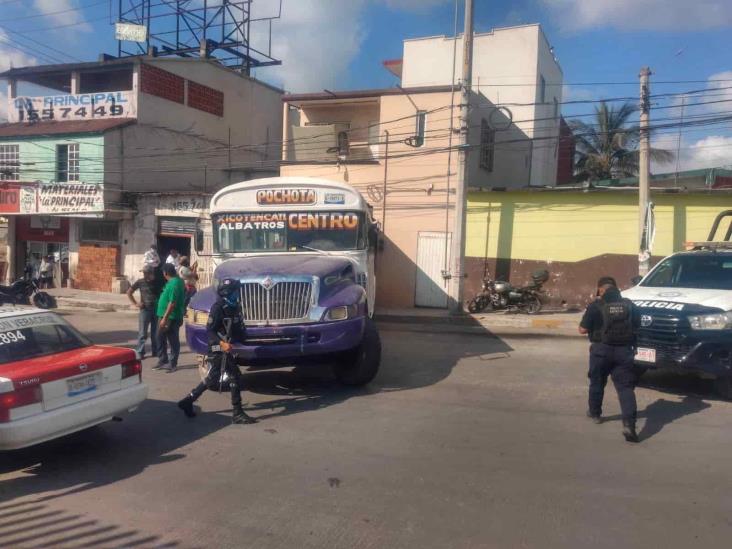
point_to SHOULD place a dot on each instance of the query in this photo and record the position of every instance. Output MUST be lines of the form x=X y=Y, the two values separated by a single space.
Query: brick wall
x=97 y=266
x=167 y=85
x=205 y=99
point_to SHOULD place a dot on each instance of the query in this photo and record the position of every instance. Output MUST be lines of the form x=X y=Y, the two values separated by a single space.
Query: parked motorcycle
x=497 y=295
x=24 y=290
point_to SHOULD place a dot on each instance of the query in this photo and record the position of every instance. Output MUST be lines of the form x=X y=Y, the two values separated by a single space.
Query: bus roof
x=329 y=194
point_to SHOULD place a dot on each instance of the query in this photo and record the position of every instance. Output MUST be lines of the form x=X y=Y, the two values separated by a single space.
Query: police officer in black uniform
x=610 y=322
x=224 y=325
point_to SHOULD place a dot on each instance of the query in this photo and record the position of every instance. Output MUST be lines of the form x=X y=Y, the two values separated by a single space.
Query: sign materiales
x=52 y=199
x=130 y=32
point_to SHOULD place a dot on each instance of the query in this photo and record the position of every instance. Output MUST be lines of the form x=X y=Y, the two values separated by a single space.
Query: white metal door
x=431 y=288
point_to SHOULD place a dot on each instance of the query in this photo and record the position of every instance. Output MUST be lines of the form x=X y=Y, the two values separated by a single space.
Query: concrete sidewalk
x=549 y=323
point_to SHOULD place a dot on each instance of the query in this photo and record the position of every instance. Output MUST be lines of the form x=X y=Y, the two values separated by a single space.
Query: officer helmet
x=228 y=287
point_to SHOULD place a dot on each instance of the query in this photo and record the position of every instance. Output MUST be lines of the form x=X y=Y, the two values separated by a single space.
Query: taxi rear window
x=36 y=335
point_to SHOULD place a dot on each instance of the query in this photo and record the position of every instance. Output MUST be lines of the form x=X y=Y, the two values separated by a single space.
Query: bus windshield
x=289 y=231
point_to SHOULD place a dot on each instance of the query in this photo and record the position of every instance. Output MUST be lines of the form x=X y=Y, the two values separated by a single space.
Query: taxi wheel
x=723 y=386
x=359 y=366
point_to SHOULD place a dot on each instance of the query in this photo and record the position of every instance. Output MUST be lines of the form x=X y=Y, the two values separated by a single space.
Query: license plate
x=81 y=385
x=645 y=355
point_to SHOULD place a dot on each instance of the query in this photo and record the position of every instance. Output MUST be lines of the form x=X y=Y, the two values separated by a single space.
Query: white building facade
x=514 y=67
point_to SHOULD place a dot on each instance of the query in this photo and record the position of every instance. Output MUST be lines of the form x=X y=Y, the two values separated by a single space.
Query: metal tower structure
x=217 y=29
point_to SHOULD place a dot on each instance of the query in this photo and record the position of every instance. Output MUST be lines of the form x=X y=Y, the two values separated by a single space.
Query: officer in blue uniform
x=610 y=323
x=224 y=324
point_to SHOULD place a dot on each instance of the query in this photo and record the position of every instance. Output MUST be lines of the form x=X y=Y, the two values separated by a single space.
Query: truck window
x=289 y=231
x=692 y=271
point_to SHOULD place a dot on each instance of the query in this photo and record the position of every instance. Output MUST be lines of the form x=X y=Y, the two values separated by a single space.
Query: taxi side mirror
x=636 y=280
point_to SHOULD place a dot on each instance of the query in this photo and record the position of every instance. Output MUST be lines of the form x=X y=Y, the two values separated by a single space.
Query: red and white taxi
x=54 y=381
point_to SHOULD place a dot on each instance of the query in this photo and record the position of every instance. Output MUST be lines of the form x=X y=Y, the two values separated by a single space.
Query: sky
x=340 y=44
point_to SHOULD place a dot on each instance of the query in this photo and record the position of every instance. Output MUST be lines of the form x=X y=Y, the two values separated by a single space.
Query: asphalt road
x=462 y=441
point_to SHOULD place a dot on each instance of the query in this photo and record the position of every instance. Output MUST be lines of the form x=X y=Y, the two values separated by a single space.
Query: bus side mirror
x=636 y=280
x=373 y=236
x=199 y=239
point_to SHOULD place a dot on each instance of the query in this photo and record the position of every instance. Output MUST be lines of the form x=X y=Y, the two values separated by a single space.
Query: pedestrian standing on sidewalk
x=170 y=311
x=610 y=322
x=151 y=257
x=173 y=258
x=149 y=289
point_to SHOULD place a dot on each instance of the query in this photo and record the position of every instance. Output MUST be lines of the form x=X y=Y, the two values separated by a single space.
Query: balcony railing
x=329 y=143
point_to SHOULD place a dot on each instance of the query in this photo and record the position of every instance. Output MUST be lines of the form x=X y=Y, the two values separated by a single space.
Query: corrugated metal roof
x=62 y=128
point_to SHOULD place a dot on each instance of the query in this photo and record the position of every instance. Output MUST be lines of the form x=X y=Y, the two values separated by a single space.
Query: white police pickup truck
x=685 y=303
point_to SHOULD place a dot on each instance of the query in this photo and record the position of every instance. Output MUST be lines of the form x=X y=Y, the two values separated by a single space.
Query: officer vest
x=617 y=323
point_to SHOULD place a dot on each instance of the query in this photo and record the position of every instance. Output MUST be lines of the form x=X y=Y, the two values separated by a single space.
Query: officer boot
x=240 y=417
x=187 y=406
x=629 y=431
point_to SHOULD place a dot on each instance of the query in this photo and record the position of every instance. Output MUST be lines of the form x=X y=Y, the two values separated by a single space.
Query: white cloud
x=318 y=39
x=712 y=151
x=682 y=15
x=62 y=12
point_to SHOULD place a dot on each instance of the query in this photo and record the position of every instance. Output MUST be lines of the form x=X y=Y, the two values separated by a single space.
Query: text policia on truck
x=303 y=251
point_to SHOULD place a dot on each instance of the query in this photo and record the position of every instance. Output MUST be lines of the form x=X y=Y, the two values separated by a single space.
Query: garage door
x=431 y=288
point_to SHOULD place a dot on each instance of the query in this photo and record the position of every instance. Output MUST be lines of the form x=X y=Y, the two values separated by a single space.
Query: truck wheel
x=723 y=386
x=360 y=365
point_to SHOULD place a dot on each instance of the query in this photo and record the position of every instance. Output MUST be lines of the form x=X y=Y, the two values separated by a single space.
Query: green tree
x=608 y=147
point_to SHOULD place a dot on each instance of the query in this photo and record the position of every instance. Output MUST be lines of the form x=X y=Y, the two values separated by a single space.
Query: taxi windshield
x=712 y=272
x=35 y=335
x=289 y=231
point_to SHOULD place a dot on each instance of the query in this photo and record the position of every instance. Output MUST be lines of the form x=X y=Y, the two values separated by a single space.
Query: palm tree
x=608 y=147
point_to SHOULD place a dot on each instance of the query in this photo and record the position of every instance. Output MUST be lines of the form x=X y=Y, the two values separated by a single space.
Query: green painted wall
x=38 y=157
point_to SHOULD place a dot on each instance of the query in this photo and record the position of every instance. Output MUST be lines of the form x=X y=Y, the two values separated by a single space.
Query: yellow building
x=578 y=235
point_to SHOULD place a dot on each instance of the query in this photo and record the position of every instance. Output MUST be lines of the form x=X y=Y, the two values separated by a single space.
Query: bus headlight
x=719 y=321
x=344 y=312
x=198 y=318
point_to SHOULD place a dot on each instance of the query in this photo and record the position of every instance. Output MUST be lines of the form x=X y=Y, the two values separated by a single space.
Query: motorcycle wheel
x=477 y=304
x=42 y=300
x=533 y=305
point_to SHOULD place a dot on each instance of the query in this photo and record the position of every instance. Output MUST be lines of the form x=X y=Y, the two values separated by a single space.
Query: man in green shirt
x=171 y=309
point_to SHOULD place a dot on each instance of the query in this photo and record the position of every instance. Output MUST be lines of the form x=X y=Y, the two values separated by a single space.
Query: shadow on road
x=663 y=412
x=408 y=362
x=102 y=455
x=31 y=523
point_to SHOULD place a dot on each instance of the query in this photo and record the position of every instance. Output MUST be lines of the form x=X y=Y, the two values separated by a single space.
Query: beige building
x=344 y=136
x=514 y=67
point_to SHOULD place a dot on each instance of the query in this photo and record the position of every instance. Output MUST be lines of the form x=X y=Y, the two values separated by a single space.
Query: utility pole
x=644 y=172
x=457 y=275
x=386 y=174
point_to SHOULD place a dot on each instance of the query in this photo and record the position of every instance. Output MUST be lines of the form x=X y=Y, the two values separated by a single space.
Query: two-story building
x=399 y=146
x=514 y=67
x=100 y=160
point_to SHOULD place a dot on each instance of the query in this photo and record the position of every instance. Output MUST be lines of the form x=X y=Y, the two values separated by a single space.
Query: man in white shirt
x=174 y=258
x=151 y=257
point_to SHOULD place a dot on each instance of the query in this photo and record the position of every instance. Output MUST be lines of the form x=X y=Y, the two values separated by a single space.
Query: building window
x=487 y=145
x=542 y=89
x=420 y=128
x=9 y=163
x=67 y=162
x=98 y=231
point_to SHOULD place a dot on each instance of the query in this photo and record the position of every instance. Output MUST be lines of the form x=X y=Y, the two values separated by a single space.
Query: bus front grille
x=281 y=301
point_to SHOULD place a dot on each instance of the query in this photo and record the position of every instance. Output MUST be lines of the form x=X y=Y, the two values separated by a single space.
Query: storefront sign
x=66 y=199
x=17 y=199
x=181 y=205
x=70 y=198
x=81 y=106
x=280 y=197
